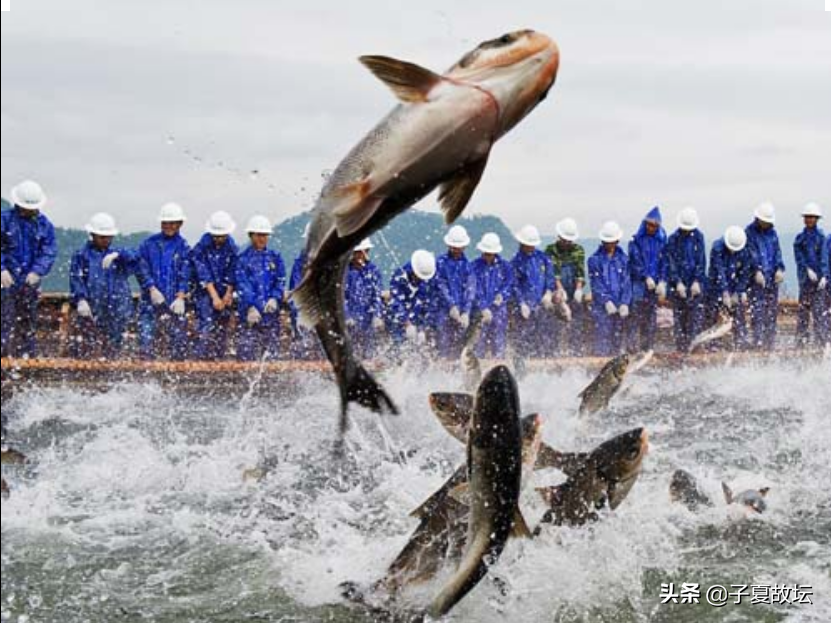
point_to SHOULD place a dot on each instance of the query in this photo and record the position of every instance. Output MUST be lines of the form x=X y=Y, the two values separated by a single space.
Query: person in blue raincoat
x=611 y=286
x=569 y=261
x=532 y=299
x=768 y=274
x=455 y=289
x=825 y=288
x=164 y=277
x=304 y=342
x=647 y=269
x=494 y=283
x=29 y=250
x=362 y=301
x=729 y=275
x=812 y=300
x=214 y=260
x=99 y=287
x=411 y=314
x=261 y=282
x=686 y=266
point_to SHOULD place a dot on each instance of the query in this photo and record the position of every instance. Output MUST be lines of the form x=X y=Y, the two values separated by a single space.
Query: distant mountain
x=393 y=246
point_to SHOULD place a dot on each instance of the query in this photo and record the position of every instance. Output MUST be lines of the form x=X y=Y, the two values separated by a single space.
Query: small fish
x=723 y=327
x=609 y=380
x=751 y=499
x=471 y=366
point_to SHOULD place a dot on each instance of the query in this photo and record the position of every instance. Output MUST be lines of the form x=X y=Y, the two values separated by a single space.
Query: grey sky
x=122 y=106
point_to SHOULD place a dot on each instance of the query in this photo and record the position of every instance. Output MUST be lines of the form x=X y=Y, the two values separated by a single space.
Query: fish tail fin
x=362 y=388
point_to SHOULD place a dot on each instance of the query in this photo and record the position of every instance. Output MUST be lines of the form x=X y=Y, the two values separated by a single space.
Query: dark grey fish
x=684 y=489
x=752 y=499
x=609 y=380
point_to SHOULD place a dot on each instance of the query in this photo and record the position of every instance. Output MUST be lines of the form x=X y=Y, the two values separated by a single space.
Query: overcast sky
x=121 y=106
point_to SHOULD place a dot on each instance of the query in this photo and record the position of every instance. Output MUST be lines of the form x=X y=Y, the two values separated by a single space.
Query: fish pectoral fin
x=728 y=493
x=410 y=82
x=519 y=528
x=355 y=207
x=456 y=192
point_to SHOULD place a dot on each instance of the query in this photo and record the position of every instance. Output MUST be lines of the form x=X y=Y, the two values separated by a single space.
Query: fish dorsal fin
x=456 y=192
x=355 y=207
x=728 y=493
x=519 y=528
x=410 y=82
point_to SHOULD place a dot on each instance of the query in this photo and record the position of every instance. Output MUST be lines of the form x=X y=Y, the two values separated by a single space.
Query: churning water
x=135 y=508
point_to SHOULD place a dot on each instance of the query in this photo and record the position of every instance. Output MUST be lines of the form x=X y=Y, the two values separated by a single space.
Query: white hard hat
x=528 y=235
x=365 y=245
x=259 y=225
x=812 y=209
x=735 y=238
x=424 y=264
x=102 y=224
x=766 y=213
x=490 y=243
x=567 y=229
x=688 y=219
x=220 y=224
x=457 y=237
x=28 y=195
x=611 y=232
x=171 y=213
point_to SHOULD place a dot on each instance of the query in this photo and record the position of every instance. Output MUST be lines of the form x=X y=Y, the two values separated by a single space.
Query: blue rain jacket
x=261 y=275
x=164 y=263
x=533 y=276
x=646 y=256
x=28 y=244
x=455 y=284
x=490 y=280
x=826 y=258
x=609 y=278
x=362 y=301
x=215 y=265
x=808 y=251
x=765 y=250
x=729 y=272
x=107 y=291
x=411 y=302
x=686 y=258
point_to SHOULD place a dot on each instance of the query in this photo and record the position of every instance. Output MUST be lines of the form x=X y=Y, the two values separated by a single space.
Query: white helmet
x=735 y=238
x=102 y=224
x=28 y=195
x=529 y=236
x=457 y=237
x=812 y=209
x=424 y=264
x=611 y=232
x=220 y=224
x=171 y=213
x=490 y=243
x=688 y=219
x=259 y=225
x=766 y=213
x=567 y=230
x=365 y=245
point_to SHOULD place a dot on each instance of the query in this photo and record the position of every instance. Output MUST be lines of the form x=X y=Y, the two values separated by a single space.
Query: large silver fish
x=439 y=136
x=609 y=380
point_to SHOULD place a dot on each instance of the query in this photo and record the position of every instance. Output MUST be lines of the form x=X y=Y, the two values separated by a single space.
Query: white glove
x=548 y=299
x=624 y=311
x=823 y=283
x=84 y=310
x=525 y=311
x=812 y=275
x=498 y=300
x=253 y=317
x=727 y=300
x=156 y=297
x=779 y=277
x=760 y=279
x=661 y=290
x=650 y=284
x=578 y=295
x=178 y=307
x=611 y=308
x=681 y=290
x=108 y=260
x=270 y=306
x=411 y=332
x=6 y=279
x=464 y=321
x=378 y=323
x=454 y=314
x=421 y=338
x=743 y=298
x=487 y=316
x=695 y=289
x=33 y=280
